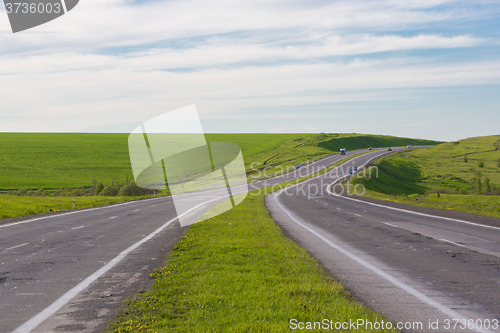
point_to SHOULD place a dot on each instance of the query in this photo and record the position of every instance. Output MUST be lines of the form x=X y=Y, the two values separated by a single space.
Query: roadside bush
x=487 y=185
x=98 y=188
x=109 y=191
x=132 y=190
x=498 y=163
x=478 y=184
x=481 y=164
x=465 y=159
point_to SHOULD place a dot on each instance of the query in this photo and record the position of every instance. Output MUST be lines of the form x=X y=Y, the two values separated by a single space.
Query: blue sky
x=426 y=69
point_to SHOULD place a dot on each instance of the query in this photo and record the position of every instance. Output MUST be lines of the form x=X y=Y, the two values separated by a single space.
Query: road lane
x=373 y=245
x=43 y=258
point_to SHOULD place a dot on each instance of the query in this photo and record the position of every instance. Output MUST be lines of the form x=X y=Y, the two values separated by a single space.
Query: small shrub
x=481 y=164
x=132 y=190
x=478 y=183
x=465 y=159
x=498 y=163
x=98 y=188
x=109 y=191
x=487 y=185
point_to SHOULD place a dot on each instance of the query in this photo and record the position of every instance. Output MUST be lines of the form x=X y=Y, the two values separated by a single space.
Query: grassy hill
x=464 y=172
x=48 y=160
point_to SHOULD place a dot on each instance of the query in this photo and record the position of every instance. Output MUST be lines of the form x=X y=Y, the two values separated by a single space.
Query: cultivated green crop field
x=49 y=161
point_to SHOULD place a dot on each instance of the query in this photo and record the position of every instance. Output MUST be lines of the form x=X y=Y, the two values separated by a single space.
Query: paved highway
x=71 y=271
x=414 y=265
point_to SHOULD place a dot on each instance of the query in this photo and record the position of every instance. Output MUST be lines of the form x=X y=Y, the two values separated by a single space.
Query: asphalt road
x=70 y=272
x=414 y=265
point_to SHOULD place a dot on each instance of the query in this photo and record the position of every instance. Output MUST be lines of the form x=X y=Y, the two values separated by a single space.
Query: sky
x=423 y=69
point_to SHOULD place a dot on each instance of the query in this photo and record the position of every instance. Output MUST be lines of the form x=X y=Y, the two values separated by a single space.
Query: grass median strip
x=237 y=272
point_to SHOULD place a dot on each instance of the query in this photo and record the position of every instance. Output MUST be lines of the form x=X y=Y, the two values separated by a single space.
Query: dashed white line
x=32 y=323
x=358 y=215
x=15 y=247
x=447 y=241
x=396 y=282
x=113 y=217
x=136 y=210
x=76 y=228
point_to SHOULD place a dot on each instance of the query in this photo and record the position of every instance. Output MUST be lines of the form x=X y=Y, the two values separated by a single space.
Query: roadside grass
x=441 y=169
x=17 y=206
x=473 y=204
x=238 y=272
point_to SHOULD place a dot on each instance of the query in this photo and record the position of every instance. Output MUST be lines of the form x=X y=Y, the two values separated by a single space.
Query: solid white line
x=69 y=213
x=134 y=201
x=15 y=247
x=402 y=210
x=410 y=211
x=429 y=301
x=64 y=299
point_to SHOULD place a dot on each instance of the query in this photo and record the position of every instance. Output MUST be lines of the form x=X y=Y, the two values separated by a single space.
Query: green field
x=42 y=172
x=51 y=161
x=465 y=173
x=237 y=272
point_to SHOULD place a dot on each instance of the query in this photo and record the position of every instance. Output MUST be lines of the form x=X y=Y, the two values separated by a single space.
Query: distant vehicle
x=342 y=151
x=370 y=148
x=409 y=146
x=298 y=166
x=390 y=149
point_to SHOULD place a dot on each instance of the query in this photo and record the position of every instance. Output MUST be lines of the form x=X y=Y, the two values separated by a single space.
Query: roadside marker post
x=73 y=203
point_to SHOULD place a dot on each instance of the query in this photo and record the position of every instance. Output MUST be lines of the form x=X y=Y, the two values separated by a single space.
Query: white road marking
x=76 y=228
x=113 y=217
x=32 y=323
x=358 y=215
x=412 y=291
x=404 y=210
x=136 y=210
x=15 y=247
x=447 y=241
x=338 y=208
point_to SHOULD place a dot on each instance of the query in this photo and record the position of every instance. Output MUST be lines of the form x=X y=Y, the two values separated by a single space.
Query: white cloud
x=246 y=57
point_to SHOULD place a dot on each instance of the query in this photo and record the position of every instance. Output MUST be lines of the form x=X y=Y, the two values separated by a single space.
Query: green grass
x=442 y=169
x=17 y=206
x=70 y=160
x=473 y=204
x=439 y=168
x=237 y=272
x=356 y=141
x=49 y=161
